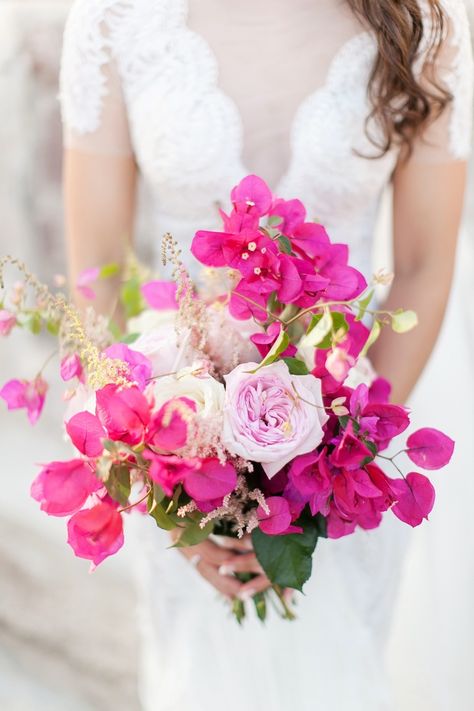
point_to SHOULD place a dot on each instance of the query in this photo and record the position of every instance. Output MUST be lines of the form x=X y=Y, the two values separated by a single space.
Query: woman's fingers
x=230 y=587
x=254 y=586
x=243 y=563
x=237 y=544
x=217 y=565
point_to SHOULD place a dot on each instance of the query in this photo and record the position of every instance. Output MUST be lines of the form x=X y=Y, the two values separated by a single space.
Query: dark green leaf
x=285 y=244
x=296 y=366
x=321 y=525
x=344 y=421
x=118 y=483
x=287 y=560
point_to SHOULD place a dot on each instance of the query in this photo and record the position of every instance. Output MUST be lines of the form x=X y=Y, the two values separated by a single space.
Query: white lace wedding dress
x=203 y=92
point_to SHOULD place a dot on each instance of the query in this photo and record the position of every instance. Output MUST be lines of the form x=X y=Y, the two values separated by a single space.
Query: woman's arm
x=99 y=195
x=427 y=207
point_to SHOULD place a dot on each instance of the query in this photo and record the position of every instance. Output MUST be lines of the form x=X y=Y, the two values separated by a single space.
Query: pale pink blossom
x=7 y=322
x=271 y=416
x=26 y=394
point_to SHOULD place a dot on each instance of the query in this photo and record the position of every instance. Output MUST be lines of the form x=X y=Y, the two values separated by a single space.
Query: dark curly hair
x=401 y=102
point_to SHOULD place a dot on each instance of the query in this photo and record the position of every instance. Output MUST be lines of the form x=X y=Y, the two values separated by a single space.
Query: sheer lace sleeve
x=92 y=103
x=449 y=136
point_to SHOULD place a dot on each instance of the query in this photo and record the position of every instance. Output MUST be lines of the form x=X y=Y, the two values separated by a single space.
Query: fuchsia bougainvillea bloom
x=96 y=533
x=26 y=394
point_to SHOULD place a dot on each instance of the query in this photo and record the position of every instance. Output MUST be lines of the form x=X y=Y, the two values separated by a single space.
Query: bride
x=329 y=101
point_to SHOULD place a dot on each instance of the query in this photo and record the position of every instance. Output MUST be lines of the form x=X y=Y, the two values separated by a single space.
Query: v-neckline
x=333 y=66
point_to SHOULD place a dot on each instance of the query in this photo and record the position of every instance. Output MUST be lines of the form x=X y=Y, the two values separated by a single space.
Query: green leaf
x=339 y=324
x=162 y=519
x=260 y=606
x=115 y=330
x=131 y=297
x=280 y=345
x=52 y=325
x=285 y=244
x=321 y=525
x=158 y=493
x=238 y=609
x=130 y=338
x=363 y=305
x=109 y=270
x=174 y=502
x=193 y=534
x=320 y=326
x=404 y=321
x=287 y=560
x=344 y=421
x=373 y=335
x=118 y=483
x=274 y=220
x=33 y=323
x=296 y=366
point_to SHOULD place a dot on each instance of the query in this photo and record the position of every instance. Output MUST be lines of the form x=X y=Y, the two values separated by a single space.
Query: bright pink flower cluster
x=300 y=266
x=126 y=416
x=276 y=446
x=343 y=483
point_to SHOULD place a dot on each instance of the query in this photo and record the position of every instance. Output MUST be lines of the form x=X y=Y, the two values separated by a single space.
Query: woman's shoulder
x=98 y=17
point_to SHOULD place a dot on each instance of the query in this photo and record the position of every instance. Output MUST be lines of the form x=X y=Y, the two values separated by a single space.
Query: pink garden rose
x=272 y=416
x=96 y=533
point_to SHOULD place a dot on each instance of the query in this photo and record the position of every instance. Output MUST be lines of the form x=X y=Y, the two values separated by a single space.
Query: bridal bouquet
x=244 y=405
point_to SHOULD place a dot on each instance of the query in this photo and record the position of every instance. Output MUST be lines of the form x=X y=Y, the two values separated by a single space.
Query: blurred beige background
x=67 y=639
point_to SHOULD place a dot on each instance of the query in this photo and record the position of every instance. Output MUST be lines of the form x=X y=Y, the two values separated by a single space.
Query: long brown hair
x=401 y=103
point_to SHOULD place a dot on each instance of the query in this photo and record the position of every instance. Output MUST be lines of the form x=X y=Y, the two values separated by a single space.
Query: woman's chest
x=204 y=110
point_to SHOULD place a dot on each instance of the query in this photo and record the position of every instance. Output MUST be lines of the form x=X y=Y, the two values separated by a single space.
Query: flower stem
x=288 y=613
x=136 y=503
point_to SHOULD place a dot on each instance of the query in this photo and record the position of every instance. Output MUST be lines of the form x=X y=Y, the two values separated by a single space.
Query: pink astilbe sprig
x=235 y=508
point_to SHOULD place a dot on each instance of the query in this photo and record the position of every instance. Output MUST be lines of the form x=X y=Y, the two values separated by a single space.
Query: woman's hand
x=219 y=557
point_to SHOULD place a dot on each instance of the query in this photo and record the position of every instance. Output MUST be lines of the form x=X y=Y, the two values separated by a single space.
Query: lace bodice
x=155 y=78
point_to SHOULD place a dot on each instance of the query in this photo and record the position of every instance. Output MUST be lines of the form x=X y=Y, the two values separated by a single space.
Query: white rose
x=151 y=320
x=204 y=390
x=159 y=341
